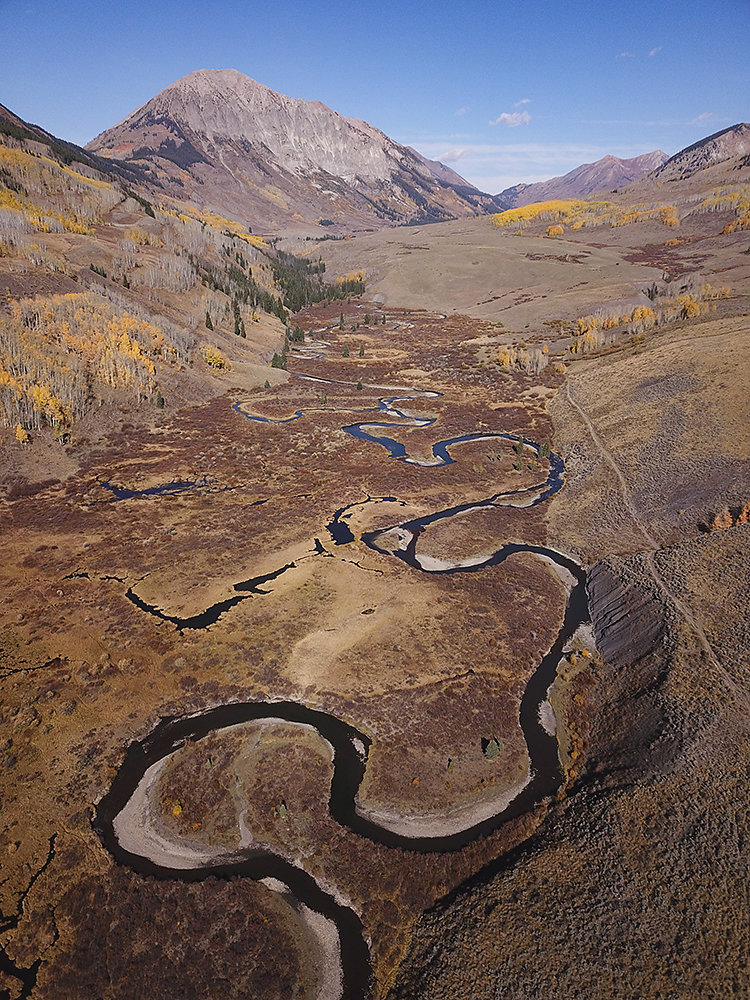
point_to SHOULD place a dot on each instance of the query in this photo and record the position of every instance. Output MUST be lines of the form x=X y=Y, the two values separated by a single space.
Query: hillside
x=471 y=266
x=115 y=300
x=730 y=144
x=232 y=145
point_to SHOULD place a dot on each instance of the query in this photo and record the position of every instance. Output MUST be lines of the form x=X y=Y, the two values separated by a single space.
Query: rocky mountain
x=603 y=175
x=236 y=147
x=731 y=143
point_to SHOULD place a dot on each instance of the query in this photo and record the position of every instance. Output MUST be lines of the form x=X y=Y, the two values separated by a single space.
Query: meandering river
x=350 y=747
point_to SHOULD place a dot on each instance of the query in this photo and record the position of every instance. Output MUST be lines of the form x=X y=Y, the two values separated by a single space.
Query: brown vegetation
x=615 y=888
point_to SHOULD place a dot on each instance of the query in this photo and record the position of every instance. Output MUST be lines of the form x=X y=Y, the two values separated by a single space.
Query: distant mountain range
x=603 y=175
x=236 y=147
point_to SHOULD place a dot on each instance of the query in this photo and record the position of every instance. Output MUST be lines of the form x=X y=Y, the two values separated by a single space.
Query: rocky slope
x=603 y=175
x=239 y=148
x=729 y=144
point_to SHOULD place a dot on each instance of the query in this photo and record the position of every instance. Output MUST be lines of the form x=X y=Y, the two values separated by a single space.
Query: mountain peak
x=242 y=149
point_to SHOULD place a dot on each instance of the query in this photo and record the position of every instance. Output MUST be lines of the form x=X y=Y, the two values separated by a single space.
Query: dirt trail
x=653 y=546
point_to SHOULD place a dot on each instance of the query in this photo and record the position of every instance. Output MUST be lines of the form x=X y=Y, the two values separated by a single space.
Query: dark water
x=351 y=747
x=178 y=486
x=257 y=864
x=211 y=615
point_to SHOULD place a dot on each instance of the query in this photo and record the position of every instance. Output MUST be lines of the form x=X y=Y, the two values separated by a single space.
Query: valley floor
x=249 y=548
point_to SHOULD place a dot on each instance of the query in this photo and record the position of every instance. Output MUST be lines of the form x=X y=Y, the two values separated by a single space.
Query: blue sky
x=503 y=92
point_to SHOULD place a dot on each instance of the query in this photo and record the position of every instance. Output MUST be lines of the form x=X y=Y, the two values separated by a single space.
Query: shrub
x=491 y=748
x=214 y=357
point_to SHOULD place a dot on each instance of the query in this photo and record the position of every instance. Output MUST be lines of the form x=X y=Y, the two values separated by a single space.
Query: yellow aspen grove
x=214 y=357
x=57 y=352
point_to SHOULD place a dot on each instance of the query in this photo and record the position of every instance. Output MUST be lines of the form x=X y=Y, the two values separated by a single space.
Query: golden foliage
x=739 y=225
x=591 y=332
x=139 y=236
x=690 y=306
x=727 y=518
x=52 y=195
x=521 y=359
x=353 y=276
x=577 y=213
x=643 y=316
x=213 y=357
x=216 y=221
x=722 y=521
x=727 y=197
x=666 y=214
x=58 y=353
x=556 y=209
x=36 y=167
x=275 y=196
x=42 y=219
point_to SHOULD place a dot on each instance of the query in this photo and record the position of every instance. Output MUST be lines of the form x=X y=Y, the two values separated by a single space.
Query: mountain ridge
x=714 y=149
x=605 y=174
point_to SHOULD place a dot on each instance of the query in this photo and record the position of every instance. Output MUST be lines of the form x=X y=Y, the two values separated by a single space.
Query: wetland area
x=360 y=669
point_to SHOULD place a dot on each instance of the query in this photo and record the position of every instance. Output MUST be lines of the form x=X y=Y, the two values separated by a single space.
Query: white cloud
x=524 y=100
x=655 y=51
x=462 y=111
x=626 y=55
x=451 y=155
x=512 y=119
x=702 y=118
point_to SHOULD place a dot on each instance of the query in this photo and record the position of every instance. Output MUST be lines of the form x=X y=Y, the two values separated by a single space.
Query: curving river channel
x=350 y=747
